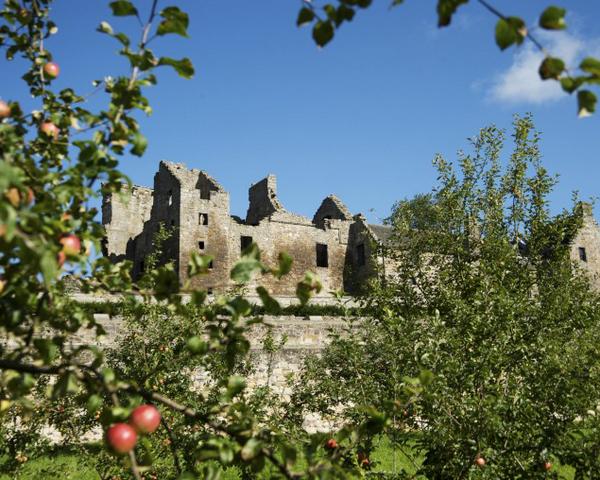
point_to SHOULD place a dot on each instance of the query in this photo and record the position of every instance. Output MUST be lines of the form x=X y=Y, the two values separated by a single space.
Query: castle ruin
x=339 y=247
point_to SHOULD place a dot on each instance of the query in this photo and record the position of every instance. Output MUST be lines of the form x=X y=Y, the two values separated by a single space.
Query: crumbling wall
x=585 y=249
x=263 y=200
x=123 y=216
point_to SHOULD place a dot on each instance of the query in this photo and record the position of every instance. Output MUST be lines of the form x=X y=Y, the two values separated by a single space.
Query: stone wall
x=585 y=250
x=196 y=208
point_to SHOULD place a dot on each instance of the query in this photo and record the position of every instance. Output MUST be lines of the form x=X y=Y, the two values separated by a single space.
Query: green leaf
x=285 y=265
x=243 y=270
x=306 y=15
x=570 y=84
x=65 y=384
x=48 y=267
x=174 y=21
x=46 y=348
x=590 y=65
x=235 y=385
x=343 y=14
x=251 y=449
x=551 y=67
x=94 y=403
x=322 y=33
x=586 y=101
x=183 y=67
x=122 y=8
x=271 y=305
x=509 y=31
x=553 y=18
x=309 y=284
x=140 y=143
x=198 y=264
x=196 y=345
x=446 y=9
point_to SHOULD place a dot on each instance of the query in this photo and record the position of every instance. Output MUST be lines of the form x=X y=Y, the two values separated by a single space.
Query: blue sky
x=361 y=118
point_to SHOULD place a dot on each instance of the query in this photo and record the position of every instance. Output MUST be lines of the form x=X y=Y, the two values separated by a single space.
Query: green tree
x=485 y=297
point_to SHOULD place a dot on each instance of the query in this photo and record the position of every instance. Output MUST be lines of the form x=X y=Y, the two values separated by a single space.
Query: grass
x=66 y=465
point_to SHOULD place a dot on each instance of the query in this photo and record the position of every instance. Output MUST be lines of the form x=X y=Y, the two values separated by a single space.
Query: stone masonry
x=339 y=247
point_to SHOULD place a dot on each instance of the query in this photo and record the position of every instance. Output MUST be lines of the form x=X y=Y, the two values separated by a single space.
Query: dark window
x=142 y=266
x=201 y=244
x=209 y=290
x=360 y=254
x=203 y=218
x=245 y=242
x=582 y=254
x=172 y=223
x=322 y=258
x=210 y=265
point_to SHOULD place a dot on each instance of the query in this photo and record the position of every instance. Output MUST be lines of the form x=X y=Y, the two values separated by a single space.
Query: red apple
x=71 y=244
x=121 y=438
x=363 y=460
x=50 y=130
x=51 y=70
x=331 y=444
x=480 y=462
x=4 y=109
x=547 y=466
x=145 y=419
x=30 y=196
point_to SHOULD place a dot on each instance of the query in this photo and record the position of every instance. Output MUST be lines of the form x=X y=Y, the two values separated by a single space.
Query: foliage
x=52 y=161
x=510 y=30
x=485 y=297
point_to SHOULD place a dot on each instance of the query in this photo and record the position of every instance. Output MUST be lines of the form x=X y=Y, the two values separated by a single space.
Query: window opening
x=322 y=257
x=203 y=218
x=201 y=244
x=582 y=254
x=245 y=242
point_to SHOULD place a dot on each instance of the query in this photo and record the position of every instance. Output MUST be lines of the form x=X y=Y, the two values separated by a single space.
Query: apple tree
x=53 y=159
x=485 y=297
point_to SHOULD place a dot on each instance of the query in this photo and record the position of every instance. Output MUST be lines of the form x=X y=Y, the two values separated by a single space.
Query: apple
x=480 y=462
x=71 y=244
x=145 y=419
x=121 y=438
x=547 y=466
x=49 y=129
x=51 y=70
x=363 y=460
x=13 y=196
x=4 y=109
x=331 y=444
x=30 y=196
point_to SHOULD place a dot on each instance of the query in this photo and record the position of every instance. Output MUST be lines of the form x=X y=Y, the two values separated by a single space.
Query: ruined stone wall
x=585 y=250
x=124 y=215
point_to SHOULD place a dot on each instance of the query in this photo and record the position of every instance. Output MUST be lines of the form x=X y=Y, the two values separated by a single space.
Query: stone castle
x=341 y=248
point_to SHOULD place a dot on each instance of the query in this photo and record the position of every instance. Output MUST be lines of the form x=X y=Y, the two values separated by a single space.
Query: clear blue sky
x=361 y=118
